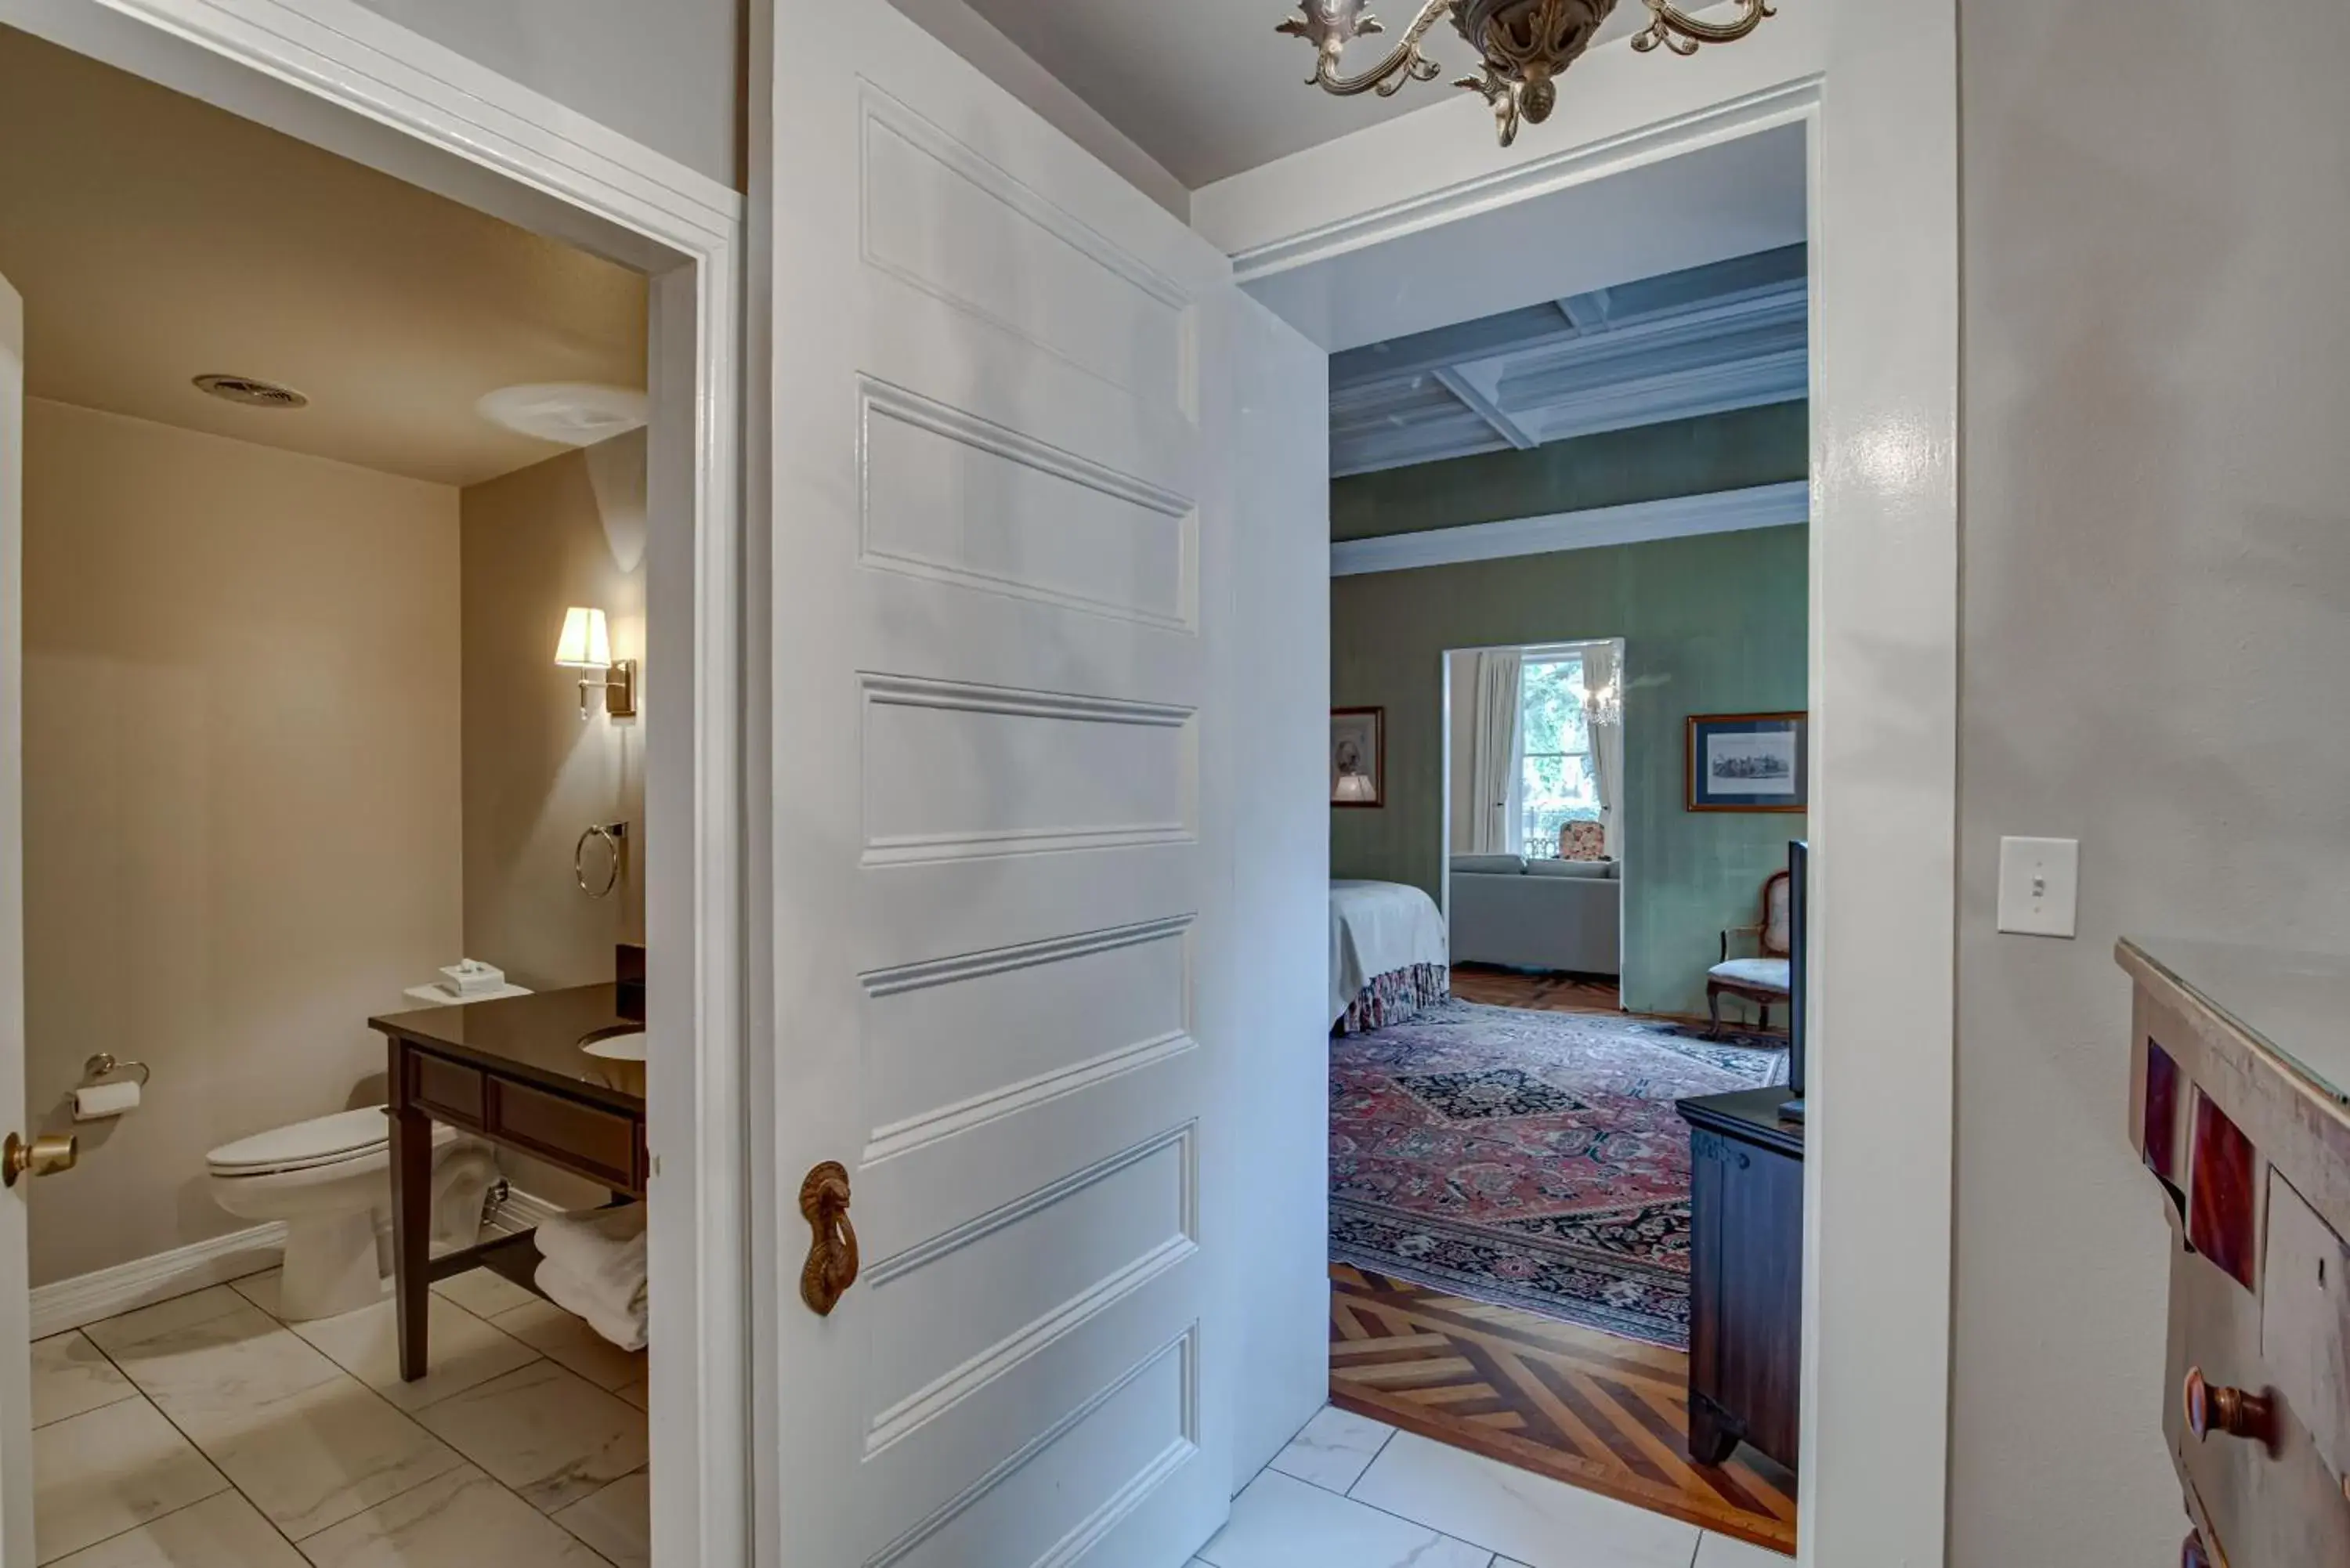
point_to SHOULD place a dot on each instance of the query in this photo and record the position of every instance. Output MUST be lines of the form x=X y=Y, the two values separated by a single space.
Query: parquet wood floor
x=1538 y=990
x=1605 y=1413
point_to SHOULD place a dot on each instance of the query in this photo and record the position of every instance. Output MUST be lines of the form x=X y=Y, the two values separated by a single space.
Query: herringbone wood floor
x=1541 y=990
x=1607 y=1414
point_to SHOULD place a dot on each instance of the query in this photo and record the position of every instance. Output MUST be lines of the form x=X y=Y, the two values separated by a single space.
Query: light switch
x=2039 y=886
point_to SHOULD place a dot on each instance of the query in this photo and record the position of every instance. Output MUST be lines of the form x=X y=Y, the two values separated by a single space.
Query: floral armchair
x=1583 y=841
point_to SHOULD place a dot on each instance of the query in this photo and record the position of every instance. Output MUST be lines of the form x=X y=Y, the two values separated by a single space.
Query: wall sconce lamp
x=587 y=645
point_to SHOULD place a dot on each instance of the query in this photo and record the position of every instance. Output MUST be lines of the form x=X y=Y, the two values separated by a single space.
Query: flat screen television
x=1799 y=932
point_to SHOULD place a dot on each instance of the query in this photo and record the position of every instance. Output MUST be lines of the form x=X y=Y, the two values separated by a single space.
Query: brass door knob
x=44 y=1156
x=2231 y=1411
x=831 y=1265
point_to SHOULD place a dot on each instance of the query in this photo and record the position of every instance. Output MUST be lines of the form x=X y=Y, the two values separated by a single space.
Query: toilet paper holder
x=102 y=1068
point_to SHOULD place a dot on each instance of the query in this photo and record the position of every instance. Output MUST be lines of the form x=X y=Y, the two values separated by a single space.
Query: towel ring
x=614 y=838
x=102 y=1067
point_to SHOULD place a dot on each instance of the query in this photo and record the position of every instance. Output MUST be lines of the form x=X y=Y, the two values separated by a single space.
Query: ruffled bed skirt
x=1392 y=997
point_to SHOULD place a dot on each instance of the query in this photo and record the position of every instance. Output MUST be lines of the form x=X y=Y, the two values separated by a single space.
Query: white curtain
x=1600 y=672
x=1495 y=776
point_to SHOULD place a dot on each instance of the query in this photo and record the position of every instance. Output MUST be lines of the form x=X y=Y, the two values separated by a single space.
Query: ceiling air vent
x=255 y=394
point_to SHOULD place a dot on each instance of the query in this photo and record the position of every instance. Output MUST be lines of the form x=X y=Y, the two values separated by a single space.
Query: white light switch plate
x=2039 y=886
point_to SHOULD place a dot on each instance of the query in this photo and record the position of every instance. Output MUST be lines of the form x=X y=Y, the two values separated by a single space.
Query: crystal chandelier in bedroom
x=1525 y=45
x=1606 y=705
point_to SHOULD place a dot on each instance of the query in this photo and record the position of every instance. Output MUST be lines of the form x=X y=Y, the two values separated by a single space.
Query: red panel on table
x=2159 y=1133
x=2220 y=1204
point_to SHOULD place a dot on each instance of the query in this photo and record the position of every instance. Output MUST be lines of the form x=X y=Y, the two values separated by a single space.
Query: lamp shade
x=586 y=641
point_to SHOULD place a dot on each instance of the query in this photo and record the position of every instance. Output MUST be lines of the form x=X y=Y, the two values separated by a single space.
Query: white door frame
x=336 y=75
x=1875 y=84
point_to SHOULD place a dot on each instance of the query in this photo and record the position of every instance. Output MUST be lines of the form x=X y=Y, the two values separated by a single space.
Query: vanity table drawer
x=449 y=1091
x=2305 y=1320
x=581 y=1136
x=2261 y=1491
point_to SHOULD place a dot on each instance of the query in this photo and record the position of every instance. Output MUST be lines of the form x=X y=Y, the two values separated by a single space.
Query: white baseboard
x=88 y=1298
x=522 y=1211
x=108 y=1292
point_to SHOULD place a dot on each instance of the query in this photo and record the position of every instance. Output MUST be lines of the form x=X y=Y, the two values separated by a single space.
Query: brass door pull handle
x=832 y=1255
x=44 y=1156
x=2231 y=1411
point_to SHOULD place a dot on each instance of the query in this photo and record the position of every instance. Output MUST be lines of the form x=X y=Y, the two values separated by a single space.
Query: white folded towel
x=603 y=1249
x=622 y=1323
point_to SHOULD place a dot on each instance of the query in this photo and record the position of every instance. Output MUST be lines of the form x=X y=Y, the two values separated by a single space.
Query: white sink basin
x=618 y=1047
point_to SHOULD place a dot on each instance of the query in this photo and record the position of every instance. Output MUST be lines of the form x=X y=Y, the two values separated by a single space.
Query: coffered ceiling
x=1731 y=335
x=1207 y=86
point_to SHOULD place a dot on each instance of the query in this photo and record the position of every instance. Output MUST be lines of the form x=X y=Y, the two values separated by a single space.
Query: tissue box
x=472 y=978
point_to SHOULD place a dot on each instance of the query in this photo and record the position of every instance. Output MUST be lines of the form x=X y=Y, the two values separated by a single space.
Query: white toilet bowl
x=331 y=1181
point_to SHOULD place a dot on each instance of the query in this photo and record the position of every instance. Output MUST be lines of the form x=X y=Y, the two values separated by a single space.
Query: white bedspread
x=1377 y=928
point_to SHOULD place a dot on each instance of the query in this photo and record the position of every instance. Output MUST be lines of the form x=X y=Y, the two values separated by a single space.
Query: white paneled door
x=15 y=1309
x=1000 y=539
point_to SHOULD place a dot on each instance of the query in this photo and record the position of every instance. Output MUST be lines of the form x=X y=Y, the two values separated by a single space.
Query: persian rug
x=1529 y=1159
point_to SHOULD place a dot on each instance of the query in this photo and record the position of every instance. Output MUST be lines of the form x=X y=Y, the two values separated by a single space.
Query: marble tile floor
x=206 y=1432
x=1351 y=1492
x=202 y=1432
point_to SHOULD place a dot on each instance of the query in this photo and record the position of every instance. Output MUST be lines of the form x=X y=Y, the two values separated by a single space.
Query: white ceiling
x=1208 y=87
x=156 y=238
x=1732 y=199
x=1733 y=335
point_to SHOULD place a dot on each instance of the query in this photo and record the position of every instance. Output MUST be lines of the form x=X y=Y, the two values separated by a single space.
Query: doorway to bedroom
x=1535 y=830
x=1569 y=551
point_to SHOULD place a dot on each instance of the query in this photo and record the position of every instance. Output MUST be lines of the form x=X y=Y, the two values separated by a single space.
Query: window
x=1556 y=783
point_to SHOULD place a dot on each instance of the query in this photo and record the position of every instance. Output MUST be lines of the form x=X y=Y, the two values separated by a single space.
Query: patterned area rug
x=1529 y=1159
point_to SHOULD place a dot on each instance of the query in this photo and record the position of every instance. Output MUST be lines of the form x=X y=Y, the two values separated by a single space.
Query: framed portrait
x=1749 y=762
x=1358 y=756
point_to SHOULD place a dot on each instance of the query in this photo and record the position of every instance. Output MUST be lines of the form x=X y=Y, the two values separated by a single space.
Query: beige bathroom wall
x=569 y=531
x=241 y=798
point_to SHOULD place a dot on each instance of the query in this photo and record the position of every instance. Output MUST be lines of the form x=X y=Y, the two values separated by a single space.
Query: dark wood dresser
x=2240 y=1111
x=1746 y=1275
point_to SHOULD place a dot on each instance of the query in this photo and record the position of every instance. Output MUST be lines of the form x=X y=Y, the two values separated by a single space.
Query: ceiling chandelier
x=1525 y=46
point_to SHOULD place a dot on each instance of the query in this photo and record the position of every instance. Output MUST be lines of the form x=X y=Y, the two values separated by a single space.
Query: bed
x=1388 y=955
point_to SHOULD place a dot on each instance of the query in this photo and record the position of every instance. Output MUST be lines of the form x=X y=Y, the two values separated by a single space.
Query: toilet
x=329 y=1179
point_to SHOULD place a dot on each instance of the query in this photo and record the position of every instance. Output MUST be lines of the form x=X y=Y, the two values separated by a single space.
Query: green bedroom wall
x=1715 y=624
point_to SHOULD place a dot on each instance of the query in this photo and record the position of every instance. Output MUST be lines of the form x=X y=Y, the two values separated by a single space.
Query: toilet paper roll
x=97 y=1102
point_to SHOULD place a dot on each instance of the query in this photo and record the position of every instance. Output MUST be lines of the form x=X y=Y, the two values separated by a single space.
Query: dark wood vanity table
x=513 y=1072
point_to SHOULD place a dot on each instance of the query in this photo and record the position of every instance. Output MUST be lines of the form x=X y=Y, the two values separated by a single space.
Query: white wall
x=670 y=73
x=967 y=33
x=2158 y=562
x=667 y=73
x=241 y=798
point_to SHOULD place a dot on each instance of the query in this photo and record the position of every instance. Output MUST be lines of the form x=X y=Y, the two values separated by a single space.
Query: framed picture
x=1358 y=756
x=1749 y=762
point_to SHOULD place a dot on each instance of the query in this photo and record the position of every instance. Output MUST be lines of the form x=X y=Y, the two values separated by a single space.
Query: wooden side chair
x=1766 y=979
